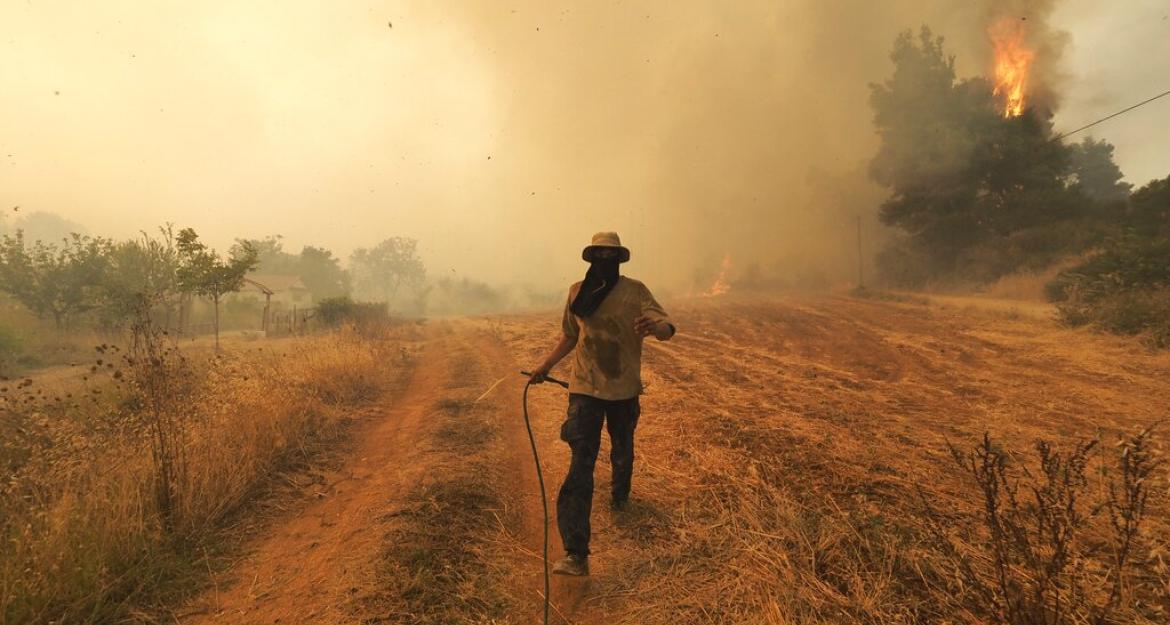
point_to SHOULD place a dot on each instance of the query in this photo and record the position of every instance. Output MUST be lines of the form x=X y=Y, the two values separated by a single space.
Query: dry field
x=788 y=452
x=782 y=449
x=784 y=441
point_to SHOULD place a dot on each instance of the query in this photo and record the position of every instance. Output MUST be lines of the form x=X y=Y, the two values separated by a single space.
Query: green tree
x=924 y=120
x=1095 y=174
x=322 y=274
x=381 y=271
x=1149 y=208
x=315 y=266
x=143 y=276
x=57 y=282
x=203 y=272
x=270 y=255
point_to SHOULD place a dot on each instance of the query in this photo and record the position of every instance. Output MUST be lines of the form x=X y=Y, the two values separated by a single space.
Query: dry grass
x=1028 y=285
x=784 y=441
x=86 y=536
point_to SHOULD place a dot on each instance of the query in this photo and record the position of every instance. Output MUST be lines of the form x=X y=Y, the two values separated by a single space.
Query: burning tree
x=1013 y=60
x=977 y=181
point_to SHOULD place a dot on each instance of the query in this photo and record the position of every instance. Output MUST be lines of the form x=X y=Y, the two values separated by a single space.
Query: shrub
x=1125 y=289
x=1126 y=263
x=908 y=263
x=1053 y=546
x=335 y=311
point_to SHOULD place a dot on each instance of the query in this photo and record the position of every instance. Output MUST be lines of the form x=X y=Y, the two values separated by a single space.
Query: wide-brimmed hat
x=605 y=240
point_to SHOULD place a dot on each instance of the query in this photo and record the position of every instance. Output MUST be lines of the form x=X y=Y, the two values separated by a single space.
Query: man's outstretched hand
x=646 y=326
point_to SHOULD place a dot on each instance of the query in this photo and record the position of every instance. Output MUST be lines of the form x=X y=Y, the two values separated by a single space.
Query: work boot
x=572 y=564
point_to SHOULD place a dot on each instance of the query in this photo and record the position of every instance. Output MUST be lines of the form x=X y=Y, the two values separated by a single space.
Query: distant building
x=285 y=300
x=281 y=291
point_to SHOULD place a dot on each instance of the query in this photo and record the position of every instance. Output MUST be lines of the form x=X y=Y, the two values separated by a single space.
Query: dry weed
x=1054 y=546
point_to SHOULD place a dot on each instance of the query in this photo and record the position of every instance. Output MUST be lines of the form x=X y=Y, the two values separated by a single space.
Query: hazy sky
x=502 y=134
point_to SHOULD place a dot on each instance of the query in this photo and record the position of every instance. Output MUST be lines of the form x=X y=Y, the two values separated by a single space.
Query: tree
x=924 y=120
x=315 y=266
x=270 y=255
x=143 y=274
x=1095 y=174
x=60 y=282
x=202 y=272
x=380 y=272
x=1020 y=176
x=971 y=189
x=322 y=274
x=1149 y=208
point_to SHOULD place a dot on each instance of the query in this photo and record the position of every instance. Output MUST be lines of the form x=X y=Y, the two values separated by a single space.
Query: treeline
x=96 y=282
x=977 y=195
x=81 y=282
x=99 y=281
x=390 y=273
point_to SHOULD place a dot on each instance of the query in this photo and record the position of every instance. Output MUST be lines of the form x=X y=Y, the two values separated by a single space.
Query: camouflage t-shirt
x=607 y=362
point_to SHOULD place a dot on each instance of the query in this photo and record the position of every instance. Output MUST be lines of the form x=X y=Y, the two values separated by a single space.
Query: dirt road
x=782 y=445
x=329 y=562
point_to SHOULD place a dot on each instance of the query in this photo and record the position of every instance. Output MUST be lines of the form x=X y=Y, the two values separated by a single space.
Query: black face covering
x=599 y=281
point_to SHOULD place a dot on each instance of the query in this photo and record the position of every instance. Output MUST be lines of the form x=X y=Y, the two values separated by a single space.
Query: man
x=606 y=318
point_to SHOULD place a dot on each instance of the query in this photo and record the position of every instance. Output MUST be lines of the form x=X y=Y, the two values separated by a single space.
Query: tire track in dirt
x=306 y=567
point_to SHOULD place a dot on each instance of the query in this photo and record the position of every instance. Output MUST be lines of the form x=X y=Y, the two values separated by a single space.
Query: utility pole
x=860 y=262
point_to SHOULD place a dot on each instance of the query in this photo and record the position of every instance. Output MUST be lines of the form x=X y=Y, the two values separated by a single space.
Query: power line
x=1105 y=119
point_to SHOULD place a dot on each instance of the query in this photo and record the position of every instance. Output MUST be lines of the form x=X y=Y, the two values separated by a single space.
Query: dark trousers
x=582 y=431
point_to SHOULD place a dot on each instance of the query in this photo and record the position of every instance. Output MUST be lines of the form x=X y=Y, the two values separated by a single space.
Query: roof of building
x=277 y=283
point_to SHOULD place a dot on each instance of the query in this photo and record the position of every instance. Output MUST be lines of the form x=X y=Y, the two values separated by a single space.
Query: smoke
x=694 y=129
x=499 y=133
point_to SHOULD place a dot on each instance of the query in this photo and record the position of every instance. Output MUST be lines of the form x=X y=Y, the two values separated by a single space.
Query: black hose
x=543 y=498
x=540 y=478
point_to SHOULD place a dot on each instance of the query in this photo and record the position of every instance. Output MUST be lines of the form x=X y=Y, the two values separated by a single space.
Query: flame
x=1013 y=59
x=720 y=286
